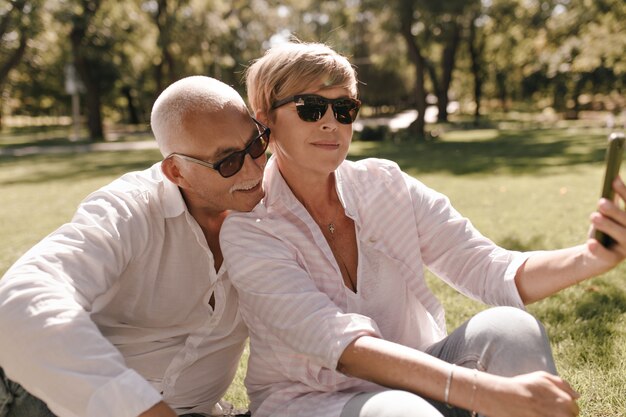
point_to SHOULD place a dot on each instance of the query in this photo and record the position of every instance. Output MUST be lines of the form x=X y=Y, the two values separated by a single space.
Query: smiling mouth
x=246 y=186
x=326 y=145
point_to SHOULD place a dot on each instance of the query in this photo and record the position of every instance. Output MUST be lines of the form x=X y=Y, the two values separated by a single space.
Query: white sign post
x=74 y=87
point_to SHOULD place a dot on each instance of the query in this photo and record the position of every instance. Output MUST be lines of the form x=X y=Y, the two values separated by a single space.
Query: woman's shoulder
x=371 y=164
x=370 y=170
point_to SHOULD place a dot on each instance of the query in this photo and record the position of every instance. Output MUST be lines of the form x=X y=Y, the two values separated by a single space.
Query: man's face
x=212 y=138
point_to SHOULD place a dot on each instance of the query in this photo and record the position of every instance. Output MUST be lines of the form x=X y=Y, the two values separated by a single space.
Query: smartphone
x=613 y=160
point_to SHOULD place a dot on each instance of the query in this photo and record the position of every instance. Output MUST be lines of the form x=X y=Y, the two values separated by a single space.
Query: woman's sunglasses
x=311 y=107
x=233 y=163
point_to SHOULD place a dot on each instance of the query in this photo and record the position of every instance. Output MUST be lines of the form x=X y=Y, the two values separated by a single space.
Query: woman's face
x=311 y=148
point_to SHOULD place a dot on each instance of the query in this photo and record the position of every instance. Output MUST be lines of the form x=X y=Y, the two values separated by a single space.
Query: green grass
x=525 y=189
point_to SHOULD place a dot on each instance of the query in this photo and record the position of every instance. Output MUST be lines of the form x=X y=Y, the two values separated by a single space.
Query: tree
x=476 y=46
x=82 y=41
x=406 y=12
x=19 y=22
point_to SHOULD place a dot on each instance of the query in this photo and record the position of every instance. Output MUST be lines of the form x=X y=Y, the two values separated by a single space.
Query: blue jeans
x=503 y=341
x=15 y=401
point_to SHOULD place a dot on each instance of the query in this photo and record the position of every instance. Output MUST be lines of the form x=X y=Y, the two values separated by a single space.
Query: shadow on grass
x=514 y=243
x=47 y=136
x=589 y=319
x=529 y=151
x=48 y=168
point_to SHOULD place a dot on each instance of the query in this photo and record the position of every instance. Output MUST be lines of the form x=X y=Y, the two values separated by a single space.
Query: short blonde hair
x=292 y=67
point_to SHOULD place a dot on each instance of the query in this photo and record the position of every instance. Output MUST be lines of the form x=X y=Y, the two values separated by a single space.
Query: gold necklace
x=331 y=226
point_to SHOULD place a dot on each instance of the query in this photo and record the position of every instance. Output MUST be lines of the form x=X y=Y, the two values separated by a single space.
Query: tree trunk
x=15 y=56
x=92 y=89
x=502 y=90
x=419 y=126
x=448 y=59
x=476 y=48
x=133 y=115
x=560 y=92
x=162 y=19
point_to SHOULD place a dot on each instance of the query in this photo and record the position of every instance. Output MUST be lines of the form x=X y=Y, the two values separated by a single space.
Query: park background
x=503 y=105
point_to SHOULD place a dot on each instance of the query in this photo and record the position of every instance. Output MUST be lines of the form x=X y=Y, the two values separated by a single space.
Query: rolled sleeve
x=128 y=395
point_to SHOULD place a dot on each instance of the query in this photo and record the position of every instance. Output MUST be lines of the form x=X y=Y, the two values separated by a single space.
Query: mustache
x=245 y=185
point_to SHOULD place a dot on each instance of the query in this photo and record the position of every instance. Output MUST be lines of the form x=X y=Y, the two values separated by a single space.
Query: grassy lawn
x=525 y=189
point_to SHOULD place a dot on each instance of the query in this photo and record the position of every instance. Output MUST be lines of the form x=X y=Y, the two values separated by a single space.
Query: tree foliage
x=567 y=54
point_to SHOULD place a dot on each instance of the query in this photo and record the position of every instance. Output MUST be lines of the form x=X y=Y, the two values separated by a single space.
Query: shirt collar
x=278 y=192
x=172 y=202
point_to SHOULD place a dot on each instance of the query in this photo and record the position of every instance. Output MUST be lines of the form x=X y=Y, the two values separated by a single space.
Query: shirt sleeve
x=278 y=297
x=454 y=250
x=49 y=343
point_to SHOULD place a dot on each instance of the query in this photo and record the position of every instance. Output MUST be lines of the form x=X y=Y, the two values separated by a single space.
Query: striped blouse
x=293 y=299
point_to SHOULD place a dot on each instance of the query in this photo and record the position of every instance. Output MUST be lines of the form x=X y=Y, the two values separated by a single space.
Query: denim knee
x=512 y=342
x=15 y=401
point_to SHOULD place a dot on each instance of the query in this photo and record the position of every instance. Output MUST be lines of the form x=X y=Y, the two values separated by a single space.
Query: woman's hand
x=610 y=219
x=538 y=394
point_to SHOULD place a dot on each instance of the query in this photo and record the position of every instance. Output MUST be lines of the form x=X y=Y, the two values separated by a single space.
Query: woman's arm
x=389 y=364
x=546 y=273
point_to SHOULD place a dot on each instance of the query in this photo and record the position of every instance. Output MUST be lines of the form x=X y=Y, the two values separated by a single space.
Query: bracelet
x=473 y=414
x=446 y=393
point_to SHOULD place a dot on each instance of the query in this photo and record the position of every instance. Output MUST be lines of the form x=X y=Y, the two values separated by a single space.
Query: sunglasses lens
x=232 y=164
x=346 y=110
x=312 y=108
x=258 y=146
x=311 y=113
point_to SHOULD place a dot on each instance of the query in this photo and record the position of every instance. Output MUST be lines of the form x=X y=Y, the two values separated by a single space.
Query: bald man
x=126 y=310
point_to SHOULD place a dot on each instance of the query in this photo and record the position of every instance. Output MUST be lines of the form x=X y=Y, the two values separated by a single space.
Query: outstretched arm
x=546 y=273
x=537 y=394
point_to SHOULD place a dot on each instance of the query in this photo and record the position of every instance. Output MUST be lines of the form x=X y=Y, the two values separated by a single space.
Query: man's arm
x=161 y=409
x=546 y=273
x=53 y=347
x=538 y=394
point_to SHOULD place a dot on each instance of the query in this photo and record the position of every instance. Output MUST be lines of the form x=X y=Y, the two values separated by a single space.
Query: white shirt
x=110 y=313
x=300 y=314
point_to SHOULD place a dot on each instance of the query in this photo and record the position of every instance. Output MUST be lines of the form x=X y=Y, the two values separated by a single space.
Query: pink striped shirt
x=292 y=297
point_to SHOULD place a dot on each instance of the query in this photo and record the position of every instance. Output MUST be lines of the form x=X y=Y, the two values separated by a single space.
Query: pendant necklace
x=331 y=226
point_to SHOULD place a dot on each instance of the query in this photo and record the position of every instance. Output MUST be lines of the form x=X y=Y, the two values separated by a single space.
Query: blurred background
x=502 y=105
x=96 y=66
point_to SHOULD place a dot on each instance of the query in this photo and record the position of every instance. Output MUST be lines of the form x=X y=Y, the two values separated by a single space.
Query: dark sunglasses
x=233 y=163
x=311 y=107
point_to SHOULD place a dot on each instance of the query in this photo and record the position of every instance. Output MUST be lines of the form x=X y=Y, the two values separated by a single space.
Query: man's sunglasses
x=311 y=107
x=233 y=163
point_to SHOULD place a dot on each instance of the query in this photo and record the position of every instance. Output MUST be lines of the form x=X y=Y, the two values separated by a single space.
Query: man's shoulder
x=135 y=191
x=147 y=180
x=133 y=184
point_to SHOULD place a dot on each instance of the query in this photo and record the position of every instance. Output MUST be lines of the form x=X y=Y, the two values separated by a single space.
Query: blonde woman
x=329 y=271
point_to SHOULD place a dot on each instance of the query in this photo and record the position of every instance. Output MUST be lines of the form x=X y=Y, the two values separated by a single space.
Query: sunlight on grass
x=526 y=190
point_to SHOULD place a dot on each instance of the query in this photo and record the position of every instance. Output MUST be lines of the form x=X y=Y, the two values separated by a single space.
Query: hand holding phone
x=613 y=160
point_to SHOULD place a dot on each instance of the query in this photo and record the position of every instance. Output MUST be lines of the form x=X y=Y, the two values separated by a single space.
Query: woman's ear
x=171 y=170
x=262 y=117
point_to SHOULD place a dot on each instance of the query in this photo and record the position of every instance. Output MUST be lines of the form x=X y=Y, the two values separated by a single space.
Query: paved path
x=400 y=121
x=79 y=148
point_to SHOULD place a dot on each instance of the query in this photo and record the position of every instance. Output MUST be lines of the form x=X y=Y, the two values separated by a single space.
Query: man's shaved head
x=186 y=101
